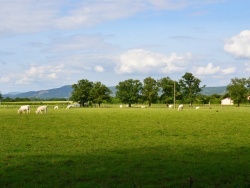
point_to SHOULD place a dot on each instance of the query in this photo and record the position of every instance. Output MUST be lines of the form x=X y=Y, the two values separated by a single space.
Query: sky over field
x=51 y=43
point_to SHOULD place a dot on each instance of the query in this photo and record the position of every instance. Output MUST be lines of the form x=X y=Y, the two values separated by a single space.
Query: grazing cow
x=170 y=106
x=180 y=107
x=69 y=106
x=197 y=107
x=56 y=107
x=41 y=109
x=23 y=109
x=121 y=106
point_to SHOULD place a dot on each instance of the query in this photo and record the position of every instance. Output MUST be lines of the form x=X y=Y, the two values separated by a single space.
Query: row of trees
x=134 y=91
x=164 y=90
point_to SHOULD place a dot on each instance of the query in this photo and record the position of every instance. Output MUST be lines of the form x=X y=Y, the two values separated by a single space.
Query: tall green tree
x=239 y=89
x=150 y=90
x=129 y=91
x=169 y=88
x=99 y=93
x=81 y=91
x=190 y=87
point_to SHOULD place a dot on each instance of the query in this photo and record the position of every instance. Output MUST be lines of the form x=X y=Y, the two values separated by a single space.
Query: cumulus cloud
x=239 y=45
x=210 y=69
x=142 y=61
x=228 y=71
x=99 y=69
x=36 y=73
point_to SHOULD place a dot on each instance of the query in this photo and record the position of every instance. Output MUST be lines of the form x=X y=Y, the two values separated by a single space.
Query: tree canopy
x=81 y=91
x=190 y=87
x=129 y=91
x=239 y=89
x=150 y=90
x=99 y=93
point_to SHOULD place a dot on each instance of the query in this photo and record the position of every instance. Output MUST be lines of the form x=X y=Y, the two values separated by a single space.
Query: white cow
x=41 y=109
x=170 y=106
x=180 y=107
x=69 y=106
x=56 y=107
x=23 y=109
x=197 y=107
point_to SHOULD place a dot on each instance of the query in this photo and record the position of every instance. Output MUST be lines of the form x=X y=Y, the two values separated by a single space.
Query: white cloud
x=247 y=67
x=36 y=73
x=208 y=70
x=99 y=69
x=28 y=16
x=142 y=61
x=239 y=45
x=4 y=79
x=228 y=71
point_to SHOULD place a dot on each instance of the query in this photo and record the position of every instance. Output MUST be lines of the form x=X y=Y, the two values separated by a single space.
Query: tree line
x=165 y=90
x=133 y=91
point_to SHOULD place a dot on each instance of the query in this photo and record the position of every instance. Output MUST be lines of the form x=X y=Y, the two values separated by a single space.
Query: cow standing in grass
x=41 y=109
x=23 y=109
x=180 y=107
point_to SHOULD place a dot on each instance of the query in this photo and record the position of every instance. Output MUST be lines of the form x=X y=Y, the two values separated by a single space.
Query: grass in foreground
x=125 y=148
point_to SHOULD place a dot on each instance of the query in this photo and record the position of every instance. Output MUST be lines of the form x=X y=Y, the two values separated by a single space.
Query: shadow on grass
x=143 y=167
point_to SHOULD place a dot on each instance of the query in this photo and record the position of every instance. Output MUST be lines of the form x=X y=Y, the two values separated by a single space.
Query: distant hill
x=221 y=90
x=65 y=92
x=62 y=92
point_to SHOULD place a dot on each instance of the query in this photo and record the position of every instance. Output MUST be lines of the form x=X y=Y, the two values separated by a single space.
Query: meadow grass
x=128 y=147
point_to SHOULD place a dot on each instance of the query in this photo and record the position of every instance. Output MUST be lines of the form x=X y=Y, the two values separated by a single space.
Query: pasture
x=125 y=147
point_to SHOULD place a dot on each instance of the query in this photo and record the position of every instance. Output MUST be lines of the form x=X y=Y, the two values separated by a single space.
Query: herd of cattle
x=43 y=109
x=40 y=109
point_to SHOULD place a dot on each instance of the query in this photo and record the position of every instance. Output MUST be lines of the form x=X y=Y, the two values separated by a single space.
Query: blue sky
x=47 y=44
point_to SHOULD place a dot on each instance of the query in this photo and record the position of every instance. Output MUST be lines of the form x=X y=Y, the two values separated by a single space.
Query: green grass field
x=128 y=147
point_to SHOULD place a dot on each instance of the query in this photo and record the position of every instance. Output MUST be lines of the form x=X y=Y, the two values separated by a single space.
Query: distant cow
x=197 y=107
x=23 y=109
x=180 y=107
x=41 y=109
x=56 y=107
x=170 y=106
x=70 y=106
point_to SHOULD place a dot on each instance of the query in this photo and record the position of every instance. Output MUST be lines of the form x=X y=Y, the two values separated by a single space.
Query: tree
x=167 y=89
x=150 y=90
x=99 y=93
x=81 y=91
x=129 y=91
x=239 y=89
x=1 y=97
x=190 y=87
